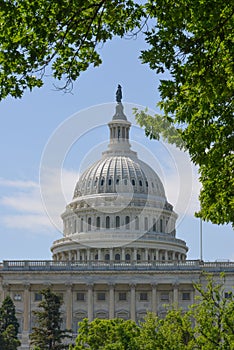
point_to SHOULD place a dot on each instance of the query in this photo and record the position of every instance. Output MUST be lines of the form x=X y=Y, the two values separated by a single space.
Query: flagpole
x=201 y=248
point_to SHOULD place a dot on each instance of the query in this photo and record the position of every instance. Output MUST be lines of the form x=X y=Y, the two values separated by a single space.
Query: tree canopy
x=48 y=332
x=189 y=40
x=115 y=334
x=9 y=326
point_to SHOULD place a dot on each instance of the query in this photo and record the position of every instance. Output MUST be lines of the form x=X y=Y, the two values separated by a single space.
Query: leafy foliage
x=115 y=334
x=8 y=326
x=214 y=317
x=48 y=333
x=189 y=40
x=63 y=35
x=193 y=42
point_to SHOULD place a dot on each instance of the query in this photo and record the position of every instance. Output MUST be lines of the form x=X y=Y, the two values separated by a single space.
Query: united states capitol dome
x=119 y=208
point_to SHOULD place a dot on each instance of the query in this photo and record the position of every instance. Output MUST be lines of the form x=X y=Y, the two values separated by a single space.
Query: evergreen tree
x=9 y=326
x=47 y=334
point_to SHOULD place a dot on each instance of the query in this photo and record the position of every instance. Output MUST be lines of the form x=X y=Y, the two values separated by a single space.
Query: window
x=122 y=296
x=154 y=225
x=138 y=257
x=143 y=296
x=161 y=225
x=17 y=297
x=101 y=296
x=82 y=225
x=185 y=296
x=37 y=297
x=136 y=223
x=133 y=182
x=117 y=181
x=127 y=257
x=80 y=296
x=107 y=222
x=102 y=181
x=117 y=257
x=109 y=182
x=146 y=183
x=107 y=256
x=89 y=224
x=117 y=222
x=165 y=296
x=140 y=183
x=127 y=221
x=98 y=223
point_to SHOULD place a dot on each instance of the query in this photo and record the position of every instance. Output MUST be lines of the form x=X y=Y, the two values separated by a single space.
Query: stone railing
x=47 y=265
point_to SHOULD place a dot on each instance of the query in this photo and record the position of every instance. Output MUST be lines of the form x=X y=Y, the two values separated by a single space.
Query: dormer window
x=102 y=181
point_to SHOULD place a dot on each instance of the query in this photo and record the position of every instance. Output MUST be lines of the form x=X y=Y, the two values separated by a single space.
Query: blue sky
x=29 y=126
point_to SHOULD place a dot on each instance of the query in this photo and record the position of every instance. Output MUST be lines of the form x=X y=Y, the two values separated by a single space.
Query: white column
x=99 y=254
x=78 y=254
x=123 y=254
x=175 y=294
x=135 y=254
x=157 y=254
x=154 y=298
x=146 y=254
x=133 y=302
x=166 y=255
x=111 y=254
x=90 y=302
x=26 y=308
x=88 y=254
x=111 y=301
x=69 y=306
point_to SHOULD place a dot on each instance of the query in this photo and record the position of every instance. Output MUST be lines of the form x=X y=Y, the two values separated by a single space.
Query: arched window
x=136 y=223
x=98 y=222
x=146 y=224
x=127 y=257
x=133 y=182
x=102 y=181
x=117 y=222
x=107 y=222
x=140 y=183
x=117 y=257
x=81 y=224
x=127 y=222
x=107 y=257
x=154 y=225
x=161 y=225
x=138 y=257
x=96 y=257
x=117 y=181
x=109 y=182
x=89 y=224
x=146 y=183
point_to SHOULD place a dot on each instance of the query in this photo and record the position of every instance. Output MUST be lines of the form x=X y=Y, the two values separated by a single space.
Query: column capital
x=175 y=284
x=69 y=285
x=27 y=285
x=132 y=285
x=6 y=286
x=111 y=285
x=90 y=285
x=154 y=285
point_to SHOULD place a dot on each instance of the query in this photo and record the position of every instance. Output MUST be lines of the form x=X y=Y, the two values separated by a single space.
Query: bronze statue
x=119 y=94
